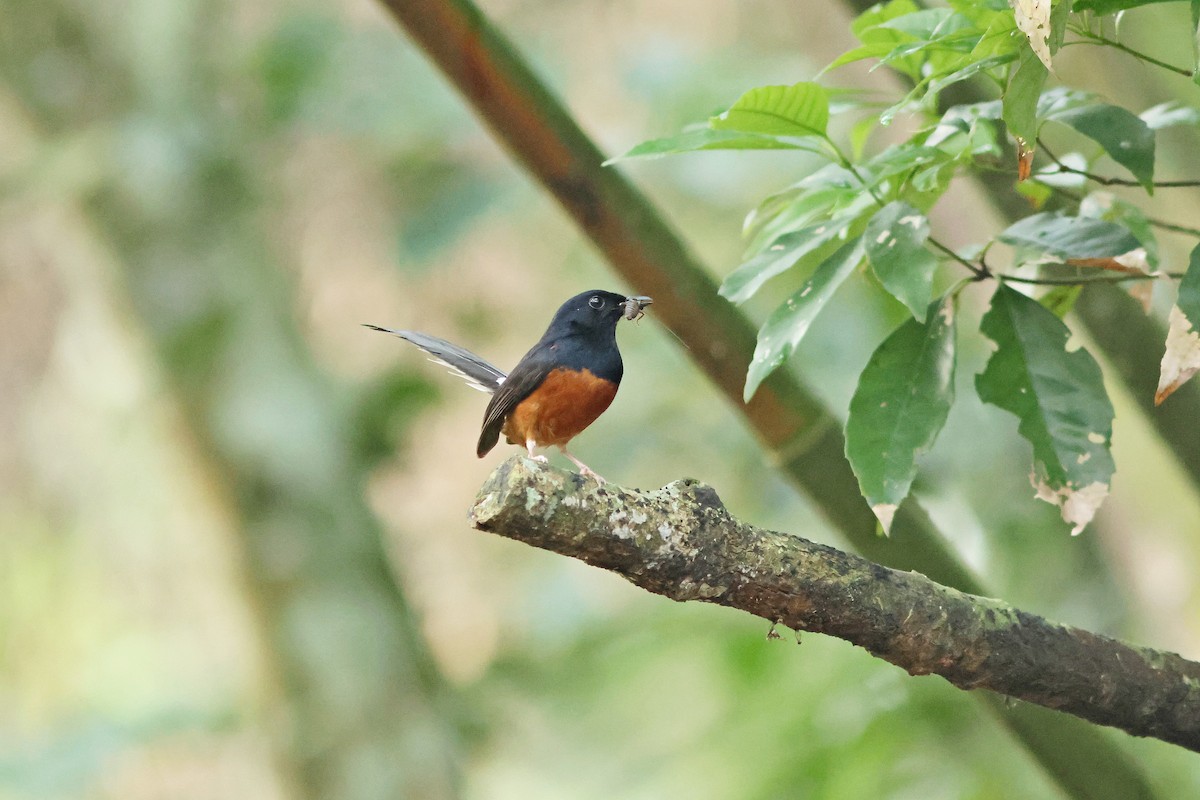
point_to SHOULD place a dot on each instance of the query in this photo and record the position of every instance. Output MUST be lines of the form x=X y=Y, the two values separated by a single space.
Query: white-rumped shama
x=559 y=387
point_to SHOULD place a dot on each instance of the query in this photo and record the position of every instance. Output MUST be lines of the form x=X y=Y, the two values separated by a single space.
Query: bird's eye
x=596 y=302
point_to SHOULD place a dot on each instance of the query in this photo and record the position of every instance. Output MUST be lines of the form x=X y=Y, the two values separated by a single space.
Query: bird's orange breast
x=565 y=403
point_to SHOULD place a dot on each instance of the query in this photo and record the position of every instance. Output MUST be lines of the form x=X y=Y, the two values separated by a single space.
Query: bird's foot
x=591 y=474
x=584 y=469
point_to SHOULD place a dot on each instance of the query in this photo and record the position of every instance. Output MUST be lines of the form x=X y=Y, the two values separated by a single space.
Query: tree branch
x=799 y=435
x=681 y=542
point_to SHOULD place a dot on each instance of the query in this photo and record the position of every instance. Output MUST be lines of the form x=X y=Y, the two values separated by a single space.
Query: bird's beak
x=634 y=306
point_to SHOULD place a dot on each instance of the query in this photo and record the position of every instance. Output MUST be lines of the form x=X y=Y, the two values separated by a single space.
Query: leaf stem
x=1121 y=278
x=849 y=166
x=980 y=270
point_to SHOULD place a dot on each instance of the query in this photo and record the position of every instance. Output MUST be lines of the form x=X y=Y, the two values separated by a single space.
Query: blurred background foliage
x=234 y=557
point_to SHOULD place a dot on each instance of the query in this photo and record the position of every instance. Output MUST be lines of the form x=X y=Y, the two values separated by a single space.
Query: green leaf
x=1106 y=206
x=895 y=245
x=1059 y=16
x=1021 y=97
x=705 y=139
x=878 y=40
x=860 y=134
x=1059 y=300
x=875 y=50
x=1060 y=99
x=902 y=158
x=963 y=119
x=997 y=38
x=1059 y=398
x=780 y=256
x=1181 y=358
x=928 y=23
x=1070 y=237
x=1189 y=289
x=781 y=215
x=801 y=109
x=1112 y=6
x=786 y=326
x=876 y=15
x=1195 y=41
x=1036 y=192
x=970 y=70
x=1126 y=138
x=900 y=406
x=934 y=180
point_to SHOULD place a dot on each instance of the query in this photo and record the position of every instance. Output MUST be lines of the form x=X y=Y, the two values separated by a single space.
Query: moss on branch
x=680 y=542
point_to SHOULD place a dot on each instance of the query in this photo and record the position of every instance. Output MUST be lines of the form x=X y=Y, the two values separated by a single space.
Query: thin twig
x=1121 y=278
x=1173 y=227
x=980 y=270
x=1106 y=181
x=1100 y=39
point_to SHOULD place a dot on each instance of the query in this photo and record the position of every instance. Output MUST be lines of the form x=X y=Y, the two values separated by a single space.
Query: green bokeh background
x=200 y=448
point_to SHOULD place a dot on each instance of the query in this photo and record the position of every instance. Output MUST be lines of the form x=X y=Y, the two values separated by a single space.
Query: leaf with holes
x=1182 y=357
x=1033 y=20
x=801 y=109
x=895 y=242
x=901 y=403
x=787 y=325
x=1059 y=398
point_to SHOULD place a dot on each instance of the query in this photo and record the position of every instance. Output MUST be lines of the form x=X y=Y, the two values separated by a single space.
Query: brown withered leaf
x=1024 y=159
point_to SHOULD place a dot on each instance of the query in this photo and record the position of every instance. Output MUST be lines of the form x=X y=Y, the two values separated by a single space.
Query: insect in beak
x=634 y=307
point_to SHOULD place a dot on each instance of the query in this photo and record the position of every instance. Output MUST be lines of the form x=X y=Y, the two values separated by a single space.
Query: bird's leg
x=584 y=469
x=531 y=445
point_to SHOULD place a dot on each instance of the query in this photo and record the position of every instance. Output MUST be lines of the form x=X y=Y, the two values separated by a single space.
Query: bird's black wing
x=477 y=372
x=525 y=378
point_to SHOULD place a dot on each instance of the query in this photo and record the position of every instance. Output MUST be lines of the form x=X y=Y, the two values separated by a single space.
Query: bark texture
x=680 y=542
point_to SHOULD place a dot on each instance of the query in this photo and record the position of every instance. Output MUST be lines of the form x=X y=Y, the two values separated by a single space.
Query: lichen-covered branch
x=680 y=541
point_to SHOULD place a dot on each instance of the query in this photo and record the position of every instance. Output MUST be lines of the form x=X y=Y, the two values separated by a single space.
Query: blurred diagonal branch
x=798 y=432
x=681 y=542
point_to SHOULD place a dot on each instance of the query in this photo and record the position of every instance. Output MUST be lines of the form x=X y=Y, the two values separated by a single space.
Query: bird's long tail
x=474 y=370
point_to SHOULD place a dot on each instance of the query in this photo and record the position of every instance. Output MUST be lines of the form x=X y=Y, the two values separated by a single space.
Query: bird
x=557 y=389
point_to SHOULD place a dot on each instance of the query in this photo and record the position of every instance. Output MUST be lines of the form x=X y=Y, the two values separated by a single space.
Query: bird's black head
x=590 y=313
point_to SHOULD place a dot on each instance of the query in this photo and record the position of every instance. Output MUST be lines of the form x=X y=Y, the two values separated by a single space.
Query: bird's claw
x=587 y=471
